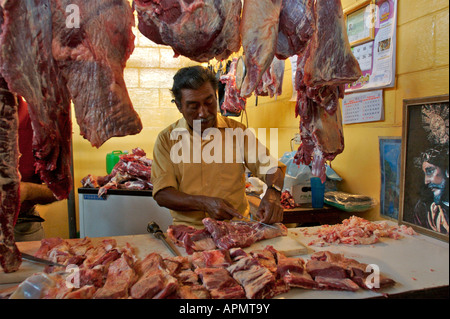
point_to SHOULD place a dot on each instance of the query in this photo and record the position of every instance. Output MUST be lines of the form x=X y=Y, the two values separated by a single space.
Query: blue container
x=317 y=192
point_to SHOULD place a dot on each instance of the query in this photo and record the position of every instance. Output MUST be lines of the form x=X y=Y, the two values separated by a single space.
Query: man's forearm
x=176 y=200
x=276 y=178
x=36 y=193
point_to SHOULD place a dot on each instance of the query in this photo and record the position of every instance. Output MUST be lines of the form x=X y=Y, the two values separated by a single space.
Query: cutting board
x=289 y=245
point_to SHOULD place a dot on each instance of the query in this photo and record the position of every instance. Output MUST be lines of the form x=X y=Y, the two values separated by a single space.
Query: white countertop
x=414 y=262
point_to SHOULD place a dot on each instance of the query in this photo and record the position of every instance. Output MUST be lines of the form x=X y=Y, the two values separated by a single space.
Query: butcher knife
x=37 y=260
x=153 y=228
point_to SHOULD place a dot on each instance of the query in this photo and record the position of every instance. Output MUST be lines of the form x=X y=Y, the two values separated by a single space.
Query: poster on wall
x=390 y=168
x=372 y=27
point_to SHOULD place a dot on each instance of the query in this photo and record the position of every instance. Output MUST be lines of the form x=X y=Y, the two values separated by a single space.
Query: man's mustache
x=440 y=186
x=205 y=120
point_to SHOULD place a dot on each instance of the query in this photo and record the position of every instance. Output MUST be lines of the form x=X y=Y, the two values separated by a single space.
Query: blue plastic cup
x=317 y=192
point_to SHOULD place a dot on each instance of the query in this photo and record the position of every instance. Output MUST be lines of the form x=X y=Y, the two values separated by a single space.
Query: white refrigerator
x=119 y=213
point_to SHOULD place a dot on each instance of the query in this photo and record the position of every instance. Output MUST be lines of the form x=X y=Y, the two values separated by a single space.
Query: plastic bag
x=33 y=287
x=297 y=178
x=349 y=202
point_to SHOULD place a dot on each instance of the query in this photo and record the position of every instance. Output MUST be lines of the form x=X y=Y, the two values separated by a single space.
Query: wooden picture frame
x=425 y=174
x=359 y=25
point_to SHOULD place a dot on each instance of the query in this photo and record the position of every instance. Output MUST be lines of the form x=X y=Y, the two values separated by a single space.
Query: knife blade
x=37 y=260
x=154 y=229
x=247 y=219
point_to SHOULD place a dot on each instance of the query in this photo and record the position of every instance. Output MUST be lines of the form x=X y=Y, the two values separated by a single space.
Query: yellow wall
x=422 y=70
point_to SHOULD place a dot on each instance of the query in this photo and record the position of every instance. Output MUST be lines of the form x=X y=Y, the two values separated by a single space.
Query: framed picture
x=360 y=22
x=390 y=167
x=425 y=175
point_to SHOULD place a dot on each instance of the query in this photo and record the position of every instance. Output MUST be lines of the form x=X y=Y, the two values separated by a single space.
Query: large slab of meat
x=259 y=29
x=50 y=63
x=223 y=234
x=92 y=59
x=296 y=27
x=330 y=60
x=10 y=259
x=108 y=271
x=198 y=29
x=27 y=64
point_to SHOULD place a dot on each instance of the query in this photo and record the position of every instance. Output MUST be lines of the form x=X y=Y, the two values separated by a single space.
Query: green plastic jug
x=112 y=159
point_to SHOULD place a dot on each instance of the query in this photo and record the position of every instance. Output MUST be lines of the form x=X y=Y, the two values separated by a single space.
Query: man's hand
x=220 y=209
x=270 y=210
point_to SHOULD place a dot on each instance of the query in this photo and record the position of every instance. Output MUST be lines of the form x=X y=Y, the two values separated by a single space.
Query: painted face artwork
x=435 y=180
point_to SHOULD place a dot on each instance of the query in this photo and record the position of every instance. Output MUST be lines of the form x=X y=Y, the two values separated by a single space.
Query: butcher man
x=32 y=191
x=197 y=172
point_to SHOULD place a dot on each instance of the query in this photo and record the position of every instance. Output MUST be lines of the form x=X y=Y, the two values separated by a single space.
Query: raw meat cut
x=198 y=29
x=354 y=231
x=296 y=27
x=190 y=238
x=132 y=171
x=330 y=60
x=271 y=83
x=293 y=272
x=10 y=258
x=28 y=67
x=259 y=29
x=356 y=271
x=233 y=102
x=218 y=258
x=223 y=234
x=220 y=284
x=154 y=279
x=92 y=59
x=232 y=234
x=256 y=279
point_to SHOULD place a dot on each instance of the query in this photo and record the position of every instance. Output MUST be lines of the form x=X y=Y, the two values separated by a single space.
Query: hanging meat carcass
x=322 y=70
x=92 y=59
x=296 y=27
x=271 y=83
x=198 y=29
x=232 y=102
x=330 y=60
x=29 y=69
x=10 y=259
x=47 y=62
x=259 y=29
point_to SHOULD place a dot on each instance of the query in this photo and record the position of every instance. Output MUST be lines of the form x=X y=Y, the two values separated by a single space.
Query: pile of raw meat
x=108 y=271
x=356 y=231
x=223 y=234
x=132 y=171
x=50 y=61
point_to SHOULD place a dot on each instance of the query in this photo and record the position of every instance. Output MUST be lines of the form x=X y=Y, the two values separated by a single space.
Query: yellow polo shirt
x=212 y=166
